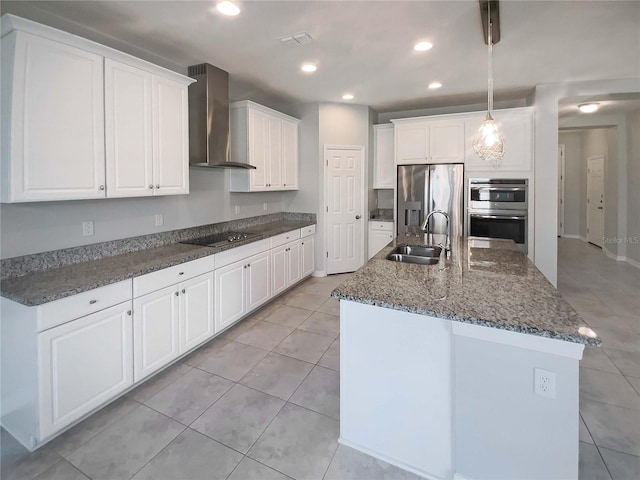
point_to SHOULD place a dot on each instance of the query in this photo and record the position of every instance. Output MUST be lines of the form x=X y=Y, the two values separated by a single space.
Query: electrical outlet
x=544 y=383
x=87 y=228
x=265 y=206
x=237 y=209
x=159 y=220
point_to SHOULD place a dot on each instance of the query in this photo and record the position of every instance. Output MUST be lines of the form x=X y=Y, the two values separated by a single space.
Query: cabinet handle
x=180 y=273
x=302 y=243
x=91 y=302
x=101 y=187
x=244 y=266
x=150 y=187
x=177 y=293
x=184 y=291
x=129 y=312
x=157 y=186
x=249 y=266
x=284 y=184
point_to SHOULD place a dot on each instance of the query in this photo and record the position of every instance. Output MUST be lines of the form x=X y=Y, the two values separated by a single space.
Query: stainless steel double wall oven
x=497 y=208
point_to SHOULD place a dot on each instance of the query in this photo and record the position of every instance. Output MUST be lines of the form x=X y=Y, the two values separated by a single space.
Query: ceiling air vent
x=301 y=38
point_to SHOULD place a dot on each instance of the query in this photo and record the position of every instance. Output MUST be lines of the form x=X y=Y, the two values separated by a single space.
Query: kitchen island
x=464 y=369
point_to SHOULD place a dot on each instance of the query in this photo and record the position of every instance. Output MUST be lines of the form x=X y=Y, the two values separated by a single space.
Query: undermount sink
x=423 y=255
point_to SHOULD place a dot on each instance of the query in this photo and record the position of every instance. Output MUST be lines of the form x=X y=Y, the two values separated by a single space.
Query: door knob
x=358 y=217
x=599 y=208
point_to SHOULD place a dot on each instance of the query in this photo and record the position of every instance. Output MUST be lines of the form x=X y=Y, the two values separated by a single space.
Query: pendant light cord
x=490 y=38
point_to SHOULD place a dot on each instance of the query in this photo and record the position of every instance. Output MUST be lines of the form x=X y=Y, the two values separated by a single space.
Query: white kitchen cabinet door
x=258 y=153
x=516 y=126
x=53 y=121
x=83 y=364
x=279 y=269
x=170 y=136
x=446 y=141
x=294 y=270
x=128 y=134
x=412 y=143
x=384 y=169
x=258 y=275
x=289 y=155
x=307 y=256
x=274 y=156
x=230 y=287
x=156 y=319
x=378 y=239
x=196 y=311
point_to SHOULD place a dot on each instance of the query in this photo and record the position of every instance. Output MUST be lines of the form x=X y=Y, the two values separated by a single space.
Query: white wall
x=633 y=187
x=546 y=153
x=573 y=195
x=37 y=227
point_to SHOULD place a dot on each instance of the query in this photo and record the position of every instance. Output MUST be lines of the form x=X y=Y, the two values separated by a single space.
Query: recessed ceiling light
x=589 y=107
x=434 y=85
x=308 y=67
x=347 y=96
x=422 y=46
x=227 y=7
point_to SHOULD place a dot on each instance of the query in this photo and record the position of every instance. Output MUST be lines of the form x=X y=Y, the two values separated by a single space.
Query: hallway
x=606 y=293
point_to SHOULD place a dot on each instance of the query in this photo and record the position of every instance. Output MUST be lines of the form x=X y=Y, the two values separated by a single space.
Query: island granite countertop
x=485 y=282
x=40 y=287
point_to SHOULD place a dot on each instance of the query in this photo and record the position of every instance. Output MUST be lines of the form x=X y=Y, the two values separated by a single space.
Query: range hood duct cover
x=209 y=118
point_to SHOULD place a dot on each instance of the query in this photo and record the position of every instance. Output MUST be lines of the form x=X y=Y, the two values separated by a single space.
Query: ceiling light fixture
x=589 y=107
x=227 y=7
x=308 y=67
x=422 y=46
x=435 y=85
x=489 y=144
x=347 y=96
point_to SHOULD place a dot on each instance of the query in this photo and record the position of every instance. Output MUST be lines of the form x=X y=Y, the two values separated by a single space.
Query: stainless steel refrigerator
x=424 y=188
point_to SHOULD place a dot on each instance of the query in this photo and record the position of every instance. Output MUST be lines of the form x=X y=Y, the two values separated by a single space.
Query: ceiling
x=612 y=104
x=366 y=47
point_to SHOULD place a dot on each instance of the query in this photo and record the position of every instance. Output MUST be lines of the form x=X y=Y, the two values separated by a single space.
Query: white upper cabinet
x=83 y=121
x=516 y=126
x=289 y=155
x=268 y=140
x=52 y=121
x=170 y=136
x=384 y=169
x=421 y=141
x=129 y=139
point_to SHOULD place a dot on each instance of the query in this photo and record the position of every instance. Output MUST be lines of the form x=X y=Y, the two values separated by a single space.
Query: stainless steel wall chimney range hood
x=209 y=118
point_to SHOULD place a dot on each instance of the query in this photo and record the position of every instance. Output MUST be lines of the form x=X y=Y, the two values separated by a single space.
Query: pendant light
x=489 y=144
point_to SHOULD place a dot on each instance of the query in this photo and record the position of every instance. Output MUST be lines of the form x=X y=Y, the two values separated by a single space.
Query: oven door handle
x=498 y=217
x=508 y=189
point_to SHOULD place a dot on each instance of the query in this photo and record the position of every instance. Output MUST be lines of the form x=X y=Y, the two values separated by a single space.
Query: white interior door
x=595 y=200
x=560 y=190
x=345 y=222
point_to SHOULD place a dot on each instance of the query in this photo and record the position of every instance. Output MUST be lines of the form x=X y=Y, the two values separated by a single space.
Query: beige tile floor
x=606 y=293
x=262 y=400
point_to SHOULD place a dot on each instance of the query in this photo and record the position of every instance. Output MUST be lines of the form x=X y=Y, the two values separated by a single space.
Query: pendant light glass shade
x=489 y=143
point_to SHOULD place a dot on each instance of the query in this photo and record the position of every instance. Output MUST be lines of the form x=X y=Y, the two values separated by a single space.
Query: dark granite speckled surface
x=497 y=287
x=42 y=286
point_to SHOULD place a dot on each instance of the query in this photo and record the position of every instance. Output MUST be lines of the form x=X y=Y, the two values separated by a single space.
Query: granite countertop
x=494 y=285
x=45 y=286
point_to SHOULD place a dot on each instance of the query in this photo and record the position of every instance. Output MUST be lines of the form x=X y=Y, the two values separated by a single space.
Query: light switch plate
x=159 y=220
x=87 y=228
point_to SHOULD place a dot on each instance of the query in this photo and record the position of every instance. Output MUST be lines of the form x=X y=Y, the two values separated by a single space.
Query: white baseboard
x=319 y=273
x=632 y=262
x=620 y=258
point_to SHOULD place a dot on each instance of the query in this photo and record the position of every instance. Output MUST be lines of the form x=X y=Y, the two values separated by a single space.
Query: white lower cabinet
x=240 y=288
x=171 y=321
x=156 y=330
x=285 y=266
x=380 y=234
x=307 y=256
x=196 y=311
x=83 y=364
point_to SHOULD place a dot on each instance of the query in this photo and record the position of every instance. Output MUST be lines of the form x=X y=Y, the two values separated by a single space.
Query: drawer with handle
x=382 y=226
x=61 y=311
x=285 y=238
x=307 y=231
x=171 y=275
